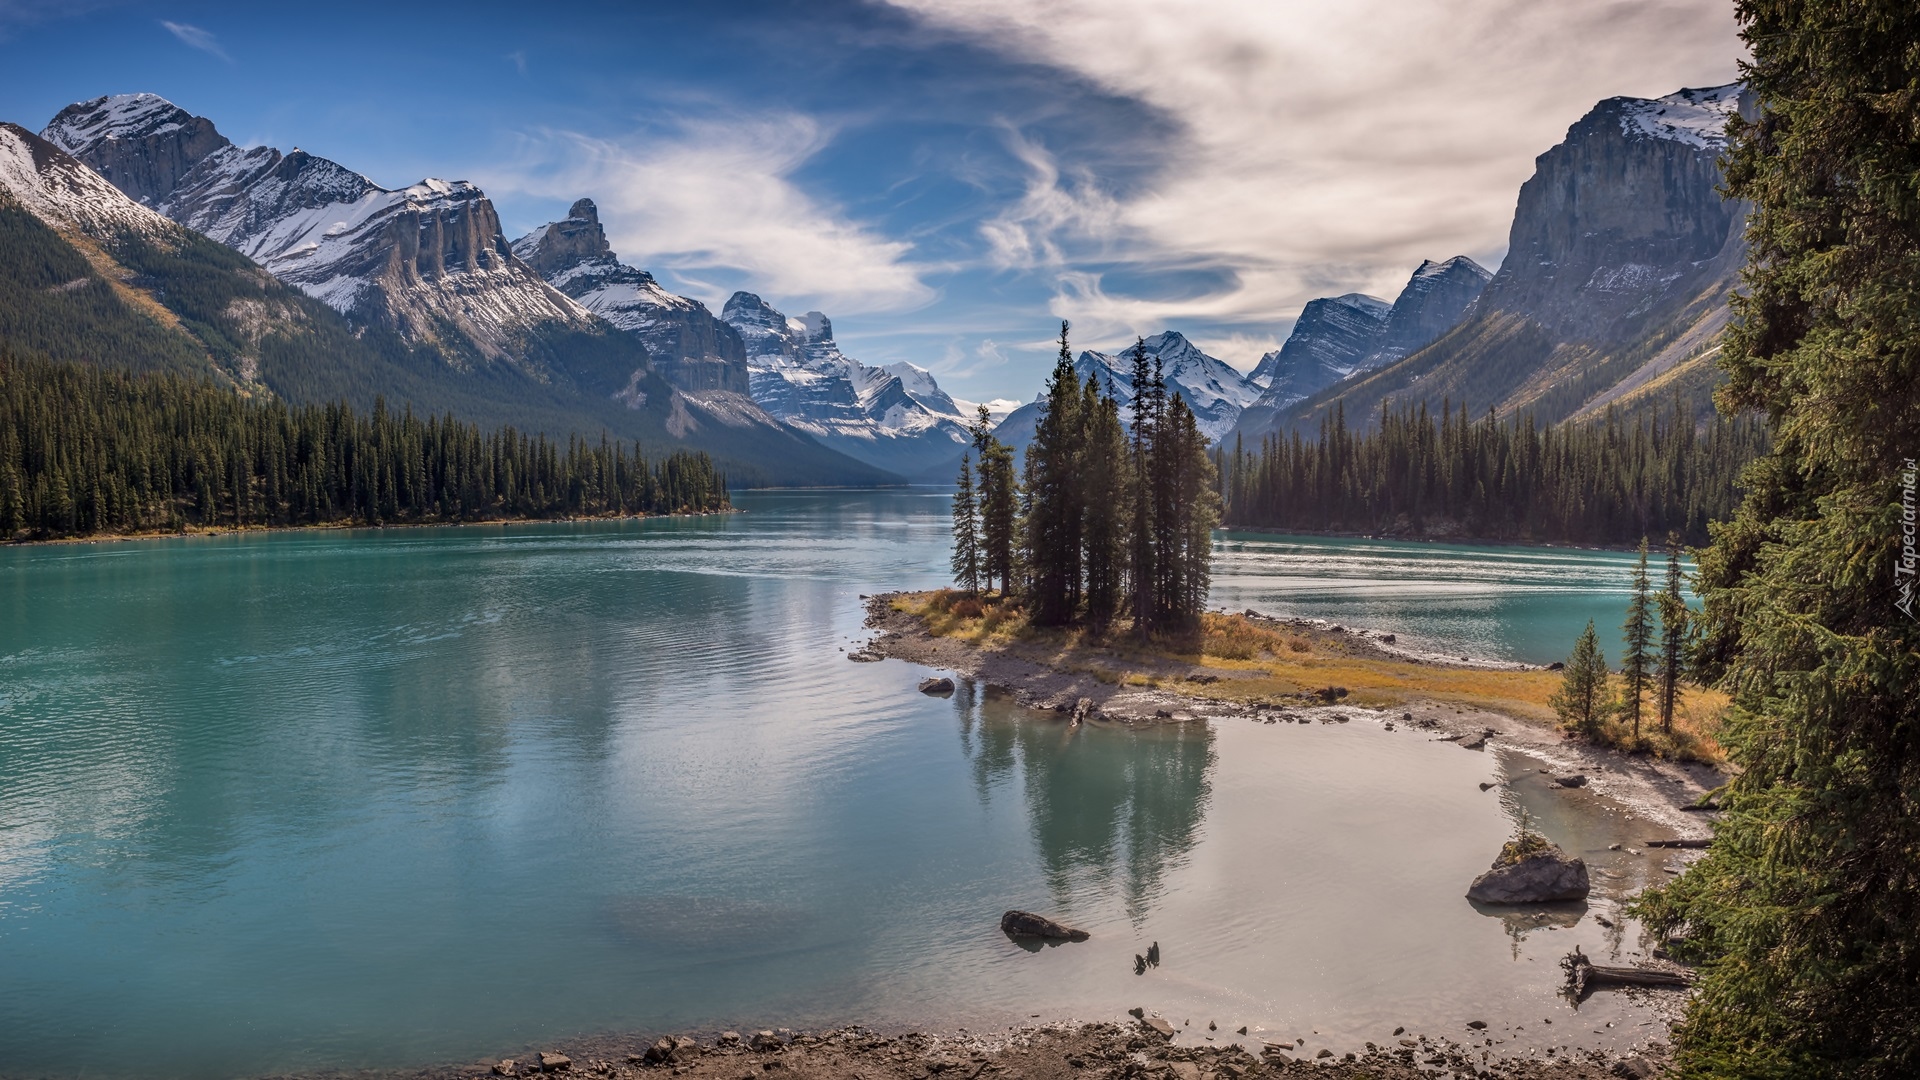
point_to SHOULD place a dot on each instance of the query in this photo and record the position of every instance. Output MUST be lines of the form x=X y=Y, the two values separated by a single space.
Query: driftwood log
x=1583 y=975
x=1680 y=843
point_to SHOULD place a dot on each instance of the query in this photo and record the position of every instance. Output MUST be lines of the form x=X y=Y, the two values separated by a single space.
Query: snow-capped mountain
x=895 y=417
x=1212 y=388
x=427 y=261
x=1339 y=337
x=694 y=350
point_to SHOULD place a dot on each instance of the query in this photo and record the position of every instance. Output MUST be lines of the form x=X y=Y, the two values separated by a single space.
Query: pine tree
x=966 y=530
x=1805 y=912
x=1104 y=484
x=1143 y=571
x=1583 y=700
x=1193 y=509
x=1052 y=522
x=999 y=499
x=1637 y=664
x=1673 y=638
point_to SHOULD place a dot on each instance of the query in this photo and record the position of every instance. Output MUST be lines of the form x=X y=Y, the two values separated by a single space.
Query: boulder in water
x=1019 y=924
x=1531 y=870
x=941 y=685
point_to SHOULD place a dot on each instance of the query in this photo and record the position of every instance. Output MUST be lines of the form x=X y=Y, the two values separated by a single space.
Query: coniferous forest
x=87 y=451
x=1418 y=474
x=1103 y=522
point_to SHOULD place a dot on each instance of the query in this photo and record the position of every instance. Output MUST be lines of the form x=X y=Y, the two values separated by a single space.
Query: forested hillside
x=1613 y=481
x=85 y=450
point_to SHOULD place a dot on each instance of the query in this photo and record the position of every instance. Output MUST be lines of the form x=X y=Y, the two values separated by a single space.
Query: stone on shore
x=552 y=1062
x=1027 y=924
x=1530 y=870
x=1576 y=780
x=505 y=1068
x=1158 y=1026
x=941 y=685
x=765 y=1040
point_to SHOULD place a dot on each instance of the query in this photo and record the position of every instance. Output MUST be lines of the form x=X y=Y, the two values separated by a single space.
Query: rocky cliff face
x=1338 y=338
x=1431 y=303
x=427 y=261
x=1621 y=257
x=694 y=350
x=1330 y=339
x=894 y=417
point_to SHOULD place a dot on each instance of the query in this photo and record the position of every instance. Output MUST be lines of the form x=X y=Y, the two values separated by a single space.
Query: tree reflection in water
x=1114 y=806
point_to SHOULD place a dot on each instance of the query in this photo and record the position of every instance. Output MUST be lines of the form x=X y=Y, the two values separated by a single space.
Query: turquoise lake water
x=316 y=800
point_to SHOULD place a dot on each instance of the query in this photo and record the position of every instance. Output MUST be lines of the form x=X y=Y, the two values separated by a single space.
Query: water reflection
x=1117 y=808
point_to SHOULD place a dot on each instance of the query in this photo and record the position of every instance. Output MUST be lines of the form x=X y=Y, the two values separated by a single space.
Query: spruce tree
x=999 y=499
x=1673 y=638
x=1637 y=665
x=1805 y=912
x=1143 y=570
x=966 y=530
x=1583 y=700
x=1105 y=485
x=1051 y=529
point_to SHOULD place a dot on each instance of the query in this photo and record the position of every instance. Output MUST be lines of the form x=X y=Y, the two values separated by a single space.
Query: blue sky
x=945 y=178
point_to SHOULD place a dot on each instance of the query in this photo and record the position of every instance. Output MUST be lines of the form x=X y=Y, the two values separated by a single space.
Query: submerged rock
x=1531 y=870
x=1027 y=924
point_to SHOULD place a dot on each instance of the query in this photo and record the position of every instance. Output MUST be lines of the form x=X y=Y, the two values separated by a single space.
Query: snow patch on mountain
x=1697 y=118
x=65 y=194
x=894 y=416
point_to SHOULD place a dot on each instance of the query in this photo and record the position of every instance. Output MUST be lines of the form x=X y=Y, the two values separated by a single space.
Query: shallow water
x=381 y=798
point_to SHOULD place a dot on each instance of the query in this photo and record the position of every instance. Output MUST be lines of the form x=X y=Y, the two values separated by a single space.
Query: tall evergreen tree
x=1105 y=513
x=1805 y=913
x=1674 y=618
x=1193 y=506
x=966 y=530
x=1583 y=701
x=1143 y=570
x=1052 y=521
x=1637 y=665
x=999 y=500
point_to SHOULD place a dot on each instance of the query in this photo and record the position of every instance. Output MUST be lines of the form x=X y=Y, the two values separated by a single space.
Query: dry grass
x=1696 y=727
x=1271 y=662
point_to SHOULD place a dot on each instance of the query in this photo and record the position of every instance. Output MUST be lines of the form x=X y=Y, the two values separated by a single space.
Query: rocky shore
x=1151 y=1048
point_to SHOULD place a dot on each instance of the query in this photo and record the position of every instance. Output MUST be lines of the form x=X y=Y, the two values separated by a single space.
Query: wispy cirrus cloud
x=193 y=37
x=712 y=199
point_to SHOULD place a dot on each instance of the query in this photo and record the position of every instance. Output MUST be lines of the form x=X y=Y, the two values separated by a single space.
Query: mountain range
x=425 y=274
x=290 y=274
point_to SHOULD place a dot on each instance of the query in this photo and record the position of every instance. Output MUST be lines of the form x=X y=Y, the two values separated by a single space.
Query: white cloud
x=195 y=38
x=518 y=58
x=715 y=196
x=1327 y=147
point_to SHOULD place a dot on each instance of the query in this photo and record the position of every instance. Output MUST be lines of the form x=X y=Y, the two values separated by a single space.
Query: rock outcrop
x=692 y=349
x=1530 y=870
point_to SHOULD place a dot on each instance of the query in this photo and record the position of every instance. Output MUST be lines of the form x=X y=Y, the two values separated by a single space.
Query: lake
x=384 y=798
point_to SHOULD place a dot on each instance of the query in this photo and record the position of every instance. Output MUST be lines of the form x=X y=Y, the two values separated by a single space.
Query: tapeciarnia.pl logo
x=1903 y=571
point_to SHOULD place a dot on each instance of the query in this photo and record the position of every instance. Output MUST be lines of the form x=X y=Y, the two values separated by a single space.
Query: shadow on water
x=1111 y=806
